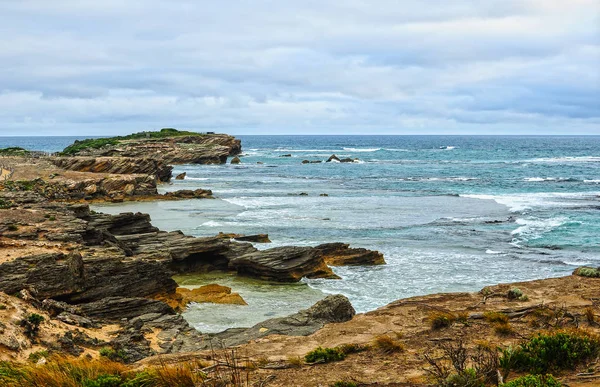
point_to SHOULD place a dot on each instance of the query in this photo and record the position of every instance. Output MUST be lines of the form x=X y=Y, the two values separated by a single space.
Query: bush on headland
x=587 y=272
x=14 y=151
x=97 y=143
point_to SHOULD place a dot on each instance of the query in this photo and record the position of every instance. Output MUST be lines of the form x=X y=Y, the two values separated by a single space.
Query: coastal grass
x=97 y=143
x=324 y=355
x=549 y=351
x=387 y=345
x=14 y=151
x=439 y=320
x=59 y=371
x=534 y=381
x=589 y=272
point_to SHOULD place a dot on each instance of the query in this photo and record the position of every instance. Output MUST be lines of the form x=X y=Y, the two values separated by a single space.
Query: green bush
x=344 y=384
x=534 y=381
x=324 y=355
x=31 y=323
x=12 y=227
x=104 y=381
x=113 y=355
x=14 y=151
x=587 y=272
x=558 y=350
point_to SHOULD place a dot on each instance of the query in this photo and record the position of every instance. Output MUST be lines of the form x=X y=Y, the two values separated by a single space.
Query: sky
x=74 y=67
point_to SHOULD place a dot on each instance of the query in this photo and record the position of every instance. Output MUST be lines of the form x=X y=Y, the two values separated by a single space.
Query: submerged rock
x=236 y=160
x=212 y=293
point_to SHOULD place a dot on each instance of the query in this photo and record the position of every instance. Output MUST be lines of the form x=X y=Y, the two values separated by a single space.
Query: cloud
x=354 y=66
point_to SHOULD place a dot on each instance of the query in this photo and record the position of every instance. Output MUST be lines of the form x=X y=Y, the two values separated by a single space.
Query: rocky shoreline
x=100 y=282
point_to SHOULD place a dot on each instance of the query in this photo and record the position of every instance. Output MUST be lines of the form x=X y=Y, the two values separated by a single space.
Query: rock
x=332 y=309
x=147 y=165
x=347 y=160
x=73 y=319
x=340 y=254
x=259 y=162
x=283 y=264
x=117 y=308
x=189 y=194
x=303 y=194
x=213 y=293
x=236 y=160
x=323 y=194
x=288 y=155
x=305 y=161
x=181 y=176
x=258 y=238
x=333 y=158
x=179 y=149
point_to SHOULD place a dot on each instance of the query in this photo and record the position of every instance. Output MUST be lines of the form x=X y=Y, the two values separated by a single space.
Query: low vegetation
x=534 y=381
x=552 y=351
x=14 y=151
x=97 y=143
x=113 y=355
x=587 y=272
x=388 y=345
x=78 y=372
x=439 y=320
x=324 y=355
x=31 y=324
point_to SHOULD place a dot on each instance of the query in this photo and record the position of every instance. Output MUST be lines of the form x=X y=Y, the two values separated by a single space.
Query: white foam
x=361 y=149
x=566 y=159
x=596 y=181
x=527 y=201
x=535 y=228
x=212 y=223
x=543 y=179
x=197 y=178
x=493 y=252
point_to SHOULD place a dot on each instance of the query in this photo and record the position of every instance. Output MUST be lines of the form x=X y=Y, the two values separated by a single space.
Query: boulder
x=288 y=155
x=333 y=158
x=236 y=160
x=340 y=254
x=283 y=264
x=181 y=176
x=189 y=194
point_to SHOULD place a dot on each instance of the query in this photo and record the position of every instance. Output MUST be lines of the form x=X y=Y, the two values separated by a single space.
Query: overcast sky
x=99 y=67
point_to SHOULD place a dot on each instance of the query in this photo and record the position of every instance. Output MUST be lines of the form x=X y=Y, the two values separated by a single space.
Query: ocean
x=449 y=213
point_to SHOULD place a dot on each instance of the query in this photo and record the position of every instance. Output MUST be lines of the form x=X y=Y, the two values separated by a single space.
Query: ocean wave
x=212 y=223
x=447 y=147
x=546 y=179
x=439 y=178
x=197 y=178
x=493 y=252
x=361 y=149
x=566 y=159
x=592 y=181
x=533 y=228
x=528 y=201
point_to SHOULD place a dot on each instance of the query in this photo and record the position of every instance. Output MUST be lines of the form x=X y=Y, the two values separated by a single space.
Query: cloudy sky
x=300 y=67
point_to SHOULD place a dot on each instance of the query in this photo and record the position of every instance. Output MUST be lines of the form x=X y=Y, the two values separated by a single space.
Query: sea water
x=449 y=213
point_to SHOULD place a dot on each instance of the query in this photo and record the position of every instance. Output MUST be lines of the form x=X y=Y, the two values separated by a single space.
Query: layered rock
x=340 y=254
x=283 y=264
x=116 y=165
x=192 y=149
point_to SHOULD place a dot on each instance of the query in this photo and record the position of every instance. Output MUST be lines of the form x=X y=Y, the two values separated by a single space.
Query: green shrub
x=4 y=204
x=14 y=151
x=52 y=218
x=324 y=355
x=12 y=227
x=104 y=381
x=587 y=272
x=558 y=350
x=31 y=323
x=2 y=307
x=534 y=381
x=36 y=356
x=113 y=355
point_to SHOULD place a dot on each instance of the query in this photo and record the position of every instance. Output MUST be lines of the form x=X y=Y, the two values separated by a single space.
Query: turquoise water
x=450 y=213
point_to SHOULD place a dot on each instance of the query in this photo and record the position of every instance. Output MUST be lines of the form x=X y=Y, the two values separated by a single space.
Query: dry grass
x=295 y=361
x=589 y=315
x=387 y=345
x=496 y=317
x=503 y=328
x=439 y=320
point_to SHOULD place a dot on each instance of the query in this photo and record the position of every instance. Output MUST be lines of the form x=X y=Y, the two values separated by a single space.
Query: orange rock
x=212 y=293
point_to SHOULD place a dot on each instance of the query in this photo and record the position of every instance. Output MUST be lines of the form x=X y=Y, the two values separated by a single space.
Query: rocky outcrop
x=332 y=309
x=283 y=264
x=333 y=158
x=118 y=308
x=340 y=254
x=181 y=176
x=257 y=238
x=116 y=165
x=193 y=149
x=236 y=160
x=212 y=293
x=189 y=194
